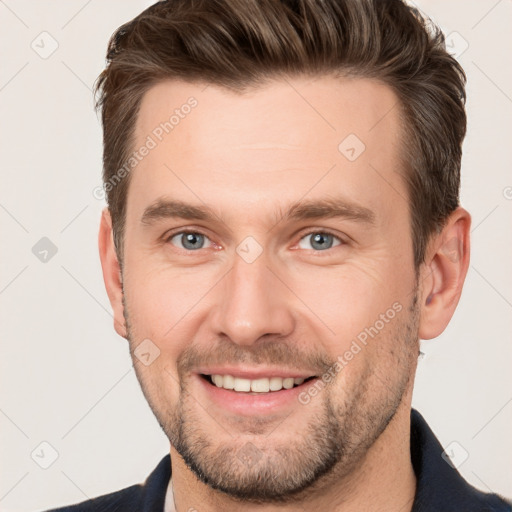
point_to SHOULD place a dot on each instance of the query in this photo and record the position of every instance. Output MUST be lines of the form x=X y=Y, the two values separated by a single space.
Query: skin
x=297 y=306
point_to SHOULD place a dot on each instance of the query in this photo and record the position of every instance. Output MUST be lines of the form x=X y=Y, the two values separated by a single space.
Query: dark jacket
x=440 y=487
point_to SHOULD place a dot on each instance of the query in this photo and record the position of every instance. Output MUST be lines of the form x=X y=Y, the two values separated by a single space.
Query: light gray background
x=66 y=377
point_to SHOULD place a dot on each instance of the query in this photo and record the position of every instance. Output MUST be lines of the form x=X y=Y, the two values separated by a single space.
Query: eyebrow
x=164 y=208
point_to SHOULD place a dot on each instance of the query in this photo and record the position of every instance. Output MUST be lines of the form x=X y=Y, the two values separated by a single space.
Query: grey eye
x=320 y=241
x=190 y=241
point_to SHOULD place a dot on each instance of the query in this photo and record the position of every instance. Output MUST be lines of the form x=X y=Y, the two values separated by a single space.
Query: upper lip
x=255 y=373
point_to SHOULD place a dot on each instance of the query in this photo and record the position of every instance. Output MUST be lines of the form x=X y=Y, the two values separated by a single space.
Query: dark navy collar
x=155 y=487
x=440 y=487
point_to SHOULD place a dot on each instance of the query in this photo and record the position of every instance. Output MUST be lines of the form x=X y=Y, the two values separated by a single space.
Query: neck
x=383 y=481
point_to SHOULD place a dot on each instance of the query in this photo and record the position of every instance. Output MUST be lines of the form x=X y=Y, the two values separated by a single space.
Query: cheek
x=161 y=301
x=346 y=300
x=167 y=307
x=156 y=314
x=160 y=385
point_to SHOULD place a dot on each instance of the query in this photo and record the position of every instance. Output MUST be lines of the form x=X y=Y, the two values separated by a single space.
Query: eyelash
x=169 y=236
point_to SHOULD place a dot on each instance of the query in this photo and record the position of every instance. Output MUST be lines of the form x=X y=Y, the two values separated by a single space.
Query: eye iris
x=320 y=238
x=192 y=240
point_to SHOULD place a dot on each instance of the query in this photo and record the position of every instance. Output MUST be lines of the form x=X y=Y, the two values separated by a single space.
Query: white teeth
x=228 y=382
x=263 y=385
x=240 y=384
x=288 y=383
x=276 y=383
x=260 y=385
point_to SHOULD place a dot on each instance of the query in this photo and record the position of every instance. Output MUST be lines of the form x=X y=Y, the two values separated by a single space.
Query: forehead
x=288 y=139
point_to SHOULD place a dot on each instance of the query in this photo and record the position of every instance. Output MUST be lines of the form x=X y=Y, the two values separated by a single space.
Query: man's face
x=257 y=293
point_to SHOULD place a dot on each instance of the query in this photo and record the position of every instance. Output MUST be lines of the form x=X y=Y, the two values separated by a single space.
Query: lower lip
x=248 y=404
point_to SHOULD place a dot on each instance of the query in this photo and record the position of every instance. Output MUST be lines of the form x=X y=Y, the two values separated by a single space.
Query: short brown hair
x=242 y=43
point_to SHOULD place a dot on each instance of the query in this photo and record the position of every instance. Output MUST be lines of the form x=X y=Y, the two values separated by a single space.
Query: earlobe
x=111 y=272
x=443 y=274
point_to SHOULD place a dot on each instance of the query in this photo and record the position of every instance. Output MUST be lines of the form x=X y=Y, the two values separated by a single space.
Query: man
x=283 y=226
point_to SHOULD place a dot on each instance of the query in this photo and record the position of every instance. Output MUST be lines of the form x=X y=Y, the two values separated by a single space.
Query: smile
x=260 y=385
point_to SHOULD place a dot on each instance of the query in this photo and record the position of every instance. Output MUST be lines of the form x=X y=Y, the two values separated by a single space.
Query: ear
x=111 y=272
x=443 y=274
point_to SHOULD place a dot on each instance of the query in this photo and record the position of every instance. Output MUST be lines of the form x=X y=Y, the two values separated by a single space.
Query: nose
x=252 y=302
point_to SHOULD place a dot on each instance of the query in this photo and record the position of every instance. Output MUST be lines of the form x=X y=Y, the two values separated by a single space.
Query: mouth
x=259 y=386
